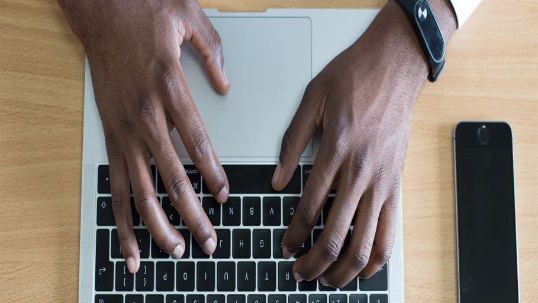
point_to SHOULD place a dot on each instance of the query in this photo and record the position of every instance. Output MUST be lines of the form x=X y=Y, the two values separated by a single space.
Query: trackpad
x=268 y=62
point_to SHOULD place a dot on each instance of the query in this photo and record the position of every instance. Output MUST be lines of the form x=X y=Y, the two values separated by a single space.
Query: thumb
x=207 y=41
x=296 y=138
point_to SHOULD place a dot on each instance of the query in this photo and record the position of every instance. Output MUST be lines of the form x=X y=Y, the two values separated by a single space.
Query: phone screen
x=487 y=252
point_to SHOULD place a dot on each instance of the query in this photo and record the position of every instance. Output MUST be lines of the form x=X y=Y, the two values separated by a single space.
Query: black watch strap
x=428 y=33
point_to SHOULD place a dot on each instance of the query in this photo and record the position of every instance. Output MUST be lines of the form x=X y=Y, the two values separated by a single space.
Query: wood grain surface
x=491 y=74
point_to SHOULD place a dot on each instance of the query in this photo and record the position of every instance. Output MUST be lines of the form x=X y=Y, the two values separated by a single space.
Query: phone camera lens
x=483 y=135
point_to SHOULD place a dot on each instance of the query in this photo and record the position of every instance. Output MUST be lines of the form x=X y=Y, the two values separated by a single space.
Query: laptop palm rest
x=269 y=63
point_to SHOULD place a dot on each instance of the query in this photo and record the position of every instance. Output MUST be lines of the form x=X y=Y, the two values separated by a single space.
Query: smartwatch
x=428 y=33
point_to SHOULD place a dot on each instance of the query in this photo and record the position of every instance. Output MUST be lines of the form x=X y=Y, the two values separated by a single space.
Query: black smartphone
x=485 y=213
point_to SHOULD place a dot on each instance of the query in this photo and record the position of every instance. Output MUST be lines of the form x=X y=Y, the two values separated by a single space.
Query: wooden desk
x=491 y=73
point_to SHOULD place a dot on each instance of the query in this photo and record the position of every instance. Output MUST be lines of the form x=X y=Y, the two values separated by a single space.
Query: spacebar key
x=256 y=179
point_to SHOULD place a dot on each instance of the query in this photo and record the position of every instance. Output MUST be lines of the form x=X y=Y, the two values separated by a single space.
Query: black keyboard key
x=325 y=288
x=144 y=277
x=136 y=216
x=351 y=286
x=212 y=210
x=134 y=299
x=103 y=179
x=142 y=239
x=124 y=279
x=105 y=214
x=297 y=299
x=175 y=299
x=338 y=298
x=307 y=244
x=271 y=211
x=192 y=173
x=285 y=277
x=379 y=298
x=225 y=276
x=308 y=285
x=231 y=212
x=256 y=179
x=222 y=249
x=289 y=209
x=256 y=299
x=277 y=299
x=246 y=276
x=241 y=243
x=377 y=282
x=205 y=276
x=261 y=243
x=266 y=276
x=317 y=298
x=277 y=243
x=216 y=299
x=185 y=276
x=197 y=251
x=251 y=211
x=362 y=298
x=187 y=237
x=327 y=208
x=108 y=299
x=115 y=248
x=104 y=269
x=154 y=298
x=195 y=299
x=156 y=251
x=316 y=232
x=164 y=276
x=170 y=211
x=235 y=299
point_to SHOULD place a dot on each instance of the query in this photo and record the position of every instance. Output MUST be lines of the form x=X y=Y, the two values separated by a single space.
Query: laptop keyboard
x=247 y=265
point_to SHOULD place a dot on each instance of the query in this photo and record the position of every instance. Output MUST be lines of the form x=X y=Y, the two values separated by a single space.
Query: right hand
x=133 y=48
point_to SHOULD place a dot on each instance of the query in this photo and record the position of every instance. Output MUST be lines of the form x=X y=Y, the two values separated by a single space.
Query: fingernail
x=276 y=175
x=225 y=76
x=178 y=251
x=286 y=252
x=223 y=195
x=131 y=265
x=297 y=277
x=322 y=281
x=209 y=246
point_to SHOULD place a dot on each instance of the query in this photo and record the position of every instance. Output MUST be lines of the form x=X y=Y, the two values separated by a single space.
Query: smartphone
x=485 y=213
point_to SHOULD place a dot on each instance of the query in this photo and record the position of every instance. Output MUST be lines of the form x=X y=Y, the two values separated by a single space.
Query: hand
x=133 y=48
x=363 y=103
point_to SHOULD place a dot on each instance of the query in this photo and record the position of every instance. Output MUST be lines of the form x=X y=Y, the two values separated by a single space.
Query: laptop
x=270 y=57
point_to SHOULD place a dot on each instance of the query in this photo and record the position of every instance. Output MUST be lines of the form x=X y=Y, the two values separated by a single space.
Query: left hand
x=363 y=103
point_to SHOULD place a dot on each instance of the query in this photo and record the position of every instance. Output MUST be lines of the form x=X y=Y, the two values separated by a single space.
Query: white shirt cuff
x=464 y=9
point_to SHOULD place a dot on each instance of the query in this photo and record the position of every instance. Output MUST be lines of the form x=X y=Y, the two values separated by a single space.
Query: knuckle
x=200 y=145
x=307 y=217
x=178 y=187
x=118 y=205
x=215 y=40
x=143 y=201
x=359 y=260
x=201 y=230
x=332 y=248
x=287 y=140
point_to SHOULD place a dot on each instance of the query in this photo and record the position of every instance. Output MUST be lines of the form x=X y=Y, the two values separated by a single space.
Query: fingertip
x=178 y=251
x=286 y=252
x=276 y=182
x=222 y=196
x=209 y=246
x=132 y=265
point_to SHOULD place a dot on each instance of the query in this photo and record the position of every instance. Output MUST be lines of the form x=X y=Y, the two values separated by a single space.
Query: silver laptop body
x=270 y=57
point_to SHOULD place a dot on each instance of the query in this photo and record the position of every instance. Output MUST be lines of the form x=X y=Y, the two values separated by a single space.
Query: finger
x=298 y=134
x=182 y=195
x=121 y=205
x=315 y=193
x=356 y=256
x=327 y=248
x=384 y=237
x=208 y=43
x=149 y=208
x=194 y=135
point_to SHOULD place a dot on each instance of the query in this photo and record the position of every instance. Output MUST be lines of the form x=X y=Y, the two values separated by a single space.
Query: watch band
x=428 y=33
